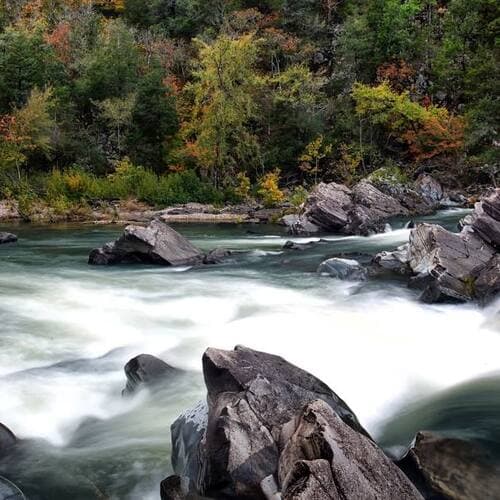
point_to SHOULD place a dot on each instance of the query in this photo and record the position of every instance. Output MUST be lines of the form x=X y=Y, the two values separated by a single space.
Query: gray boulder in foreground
x=7 y=238
x=157 y=243
x=446 y=265
x=450 y=469
x=272 y=427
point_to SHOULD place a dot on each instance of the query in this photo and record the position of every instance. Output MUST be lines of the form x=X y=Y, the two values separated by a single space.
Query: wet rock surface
x=362 y=210
x=271 y=427
x=146 y=371
x=157 y=243
x=7 y=238
x=343 y=269
x=446 y=265
x=446 y=468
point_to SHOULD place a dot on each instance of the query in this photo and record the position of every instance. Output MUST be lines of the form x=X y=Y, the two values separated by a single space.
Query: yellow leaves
x=269 y=189
x=427 y=130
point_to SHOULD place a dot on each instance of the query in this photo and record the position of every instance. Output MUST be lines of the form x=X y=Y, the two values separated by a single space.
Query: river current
x=67 y=330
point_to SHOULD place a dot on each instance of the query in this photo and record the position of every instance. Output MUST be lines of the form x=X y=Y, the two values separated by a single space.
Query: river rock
x=271 y=431
x=430 y=189
x=216 y=256
x=446 y=265
x=147 y=370
x=7 y=238
x=7 y=439
x=251 y=395
x=9 y=491
x=362 y=210
x=157 y=243
x=323 y=458
x=450 y=469
x=299 y=224
x=397 y=260
x=343 y=269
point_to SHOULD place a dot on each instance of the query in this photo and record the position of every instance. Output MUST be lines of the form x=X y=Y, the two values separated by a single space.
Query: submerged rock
x=7 y=440
x=147 y=370
x=343 y=269
x=9 y=491
x=157 y=243
x=216 y=256
x=450 y=469
x=253 y=439
x=7 y=238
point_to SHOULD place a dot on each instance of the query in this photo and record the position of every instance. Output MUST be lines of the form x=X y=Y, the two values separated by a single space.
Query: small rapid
x=68 y=329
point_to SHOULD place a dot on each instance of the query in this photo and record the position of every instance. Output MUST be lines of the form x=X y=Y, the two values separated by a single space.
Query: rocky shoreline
x=272 y=431
x=362 y=209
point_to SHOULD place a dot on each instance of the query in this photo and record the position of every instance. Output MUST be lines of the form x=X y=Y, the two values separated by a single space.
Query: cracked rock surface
x=272 y=427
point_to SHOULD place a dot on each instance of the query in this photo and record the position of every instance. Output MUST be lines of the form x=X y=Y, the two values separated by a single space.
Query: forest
x=170 y=101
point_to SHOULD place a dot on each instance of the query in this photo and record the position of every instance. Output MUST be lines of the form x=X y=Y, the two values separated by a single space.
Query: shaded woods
x=172 y=101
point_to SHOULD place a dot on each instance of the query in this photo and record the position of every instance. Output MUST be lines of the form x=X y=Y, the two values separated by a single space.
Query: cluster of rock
x=446 y=265
x=157 y=243
x=365 y=208
x=7 y=238
x=270 y=430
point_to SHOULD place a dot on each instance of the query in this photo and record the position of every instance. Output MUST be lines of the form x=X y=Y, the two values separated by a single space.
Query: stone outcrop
x=462 y=266
x=450 y=469
x=146 y=370
x=272 y=428
x=324 y=458
x=429 y=189
x=157 y=243
x=7 y=238
x=343 y=269
x=361 y=210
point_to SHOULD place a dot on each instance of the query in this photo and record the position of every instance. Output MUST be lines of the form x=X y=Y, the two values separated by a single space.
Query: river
x=67 y=329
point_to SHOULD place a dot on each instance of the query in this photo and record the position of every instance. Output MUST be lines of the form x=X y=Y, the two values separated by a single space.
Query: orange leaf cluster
x=399 y=74
x=59 y=39
x=436 y=136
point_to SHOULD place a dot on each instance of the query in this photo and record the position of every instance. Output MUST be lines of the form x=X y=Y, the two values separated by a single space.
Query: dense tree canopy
x=232 y=91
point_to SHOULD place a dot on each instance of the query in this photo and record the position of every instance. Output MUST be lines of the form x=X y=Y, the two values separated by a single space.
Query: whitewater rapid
x=67 y=330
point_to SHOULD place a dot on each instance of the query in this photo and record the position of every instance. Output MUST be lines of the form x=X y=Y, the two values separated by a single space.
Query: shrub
x=269 y=189
x=298 y=196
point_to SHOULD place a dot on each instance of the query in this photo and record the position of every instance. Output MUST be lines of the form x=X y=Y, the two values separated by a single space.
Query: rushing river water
x=67 y=329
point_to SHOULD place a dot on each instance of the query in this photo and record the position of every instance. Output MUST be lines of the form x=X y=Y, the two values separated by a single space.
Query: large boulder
x=146 y=370
x=248 y=444
x=7 y=238
x=446 y=468
x=362 y=210
x=460 y=266
x=343 y=269
x=157 y=243
x=323 y=458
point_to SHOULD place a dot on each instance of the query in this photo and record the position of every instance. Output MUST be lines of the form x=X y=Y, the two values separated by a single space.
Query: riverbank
x=377 y=200
x=132 y=211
